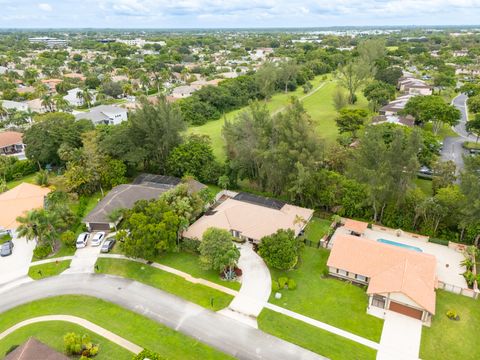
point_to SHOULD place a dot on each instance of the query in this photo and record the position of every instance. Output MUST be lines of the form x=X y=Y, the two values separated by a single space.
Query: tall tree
x=351 y=76
x=351 y=120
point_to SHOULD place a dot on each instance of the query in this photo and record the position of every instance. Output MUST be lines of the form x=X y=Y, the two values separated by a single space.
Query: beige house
x=250 y=217
x=398 y=279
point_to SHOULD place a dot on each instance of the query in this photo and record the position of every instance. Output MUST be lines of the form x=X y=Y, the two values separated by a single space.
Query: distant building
x=104 y=114
x=184 y=91
x=50 y=42
x=14 y=105
x=74 y=100
x=11 y=143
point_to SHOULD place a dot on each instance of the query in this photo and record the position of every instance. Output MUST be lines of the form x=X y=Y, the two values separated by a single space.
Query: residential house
x=74 y=100
x=75 y=76
x=394 y=119
x=250 y=217
x=11 y=143
x=51 y=84
x=50 y=42
x=398 y=279
x=184 y=91
x=104 y=114
x=410 y=85
x=14 y=105
x=144 y=187
x=393 y=107
x=33 y=349
x=18 y=201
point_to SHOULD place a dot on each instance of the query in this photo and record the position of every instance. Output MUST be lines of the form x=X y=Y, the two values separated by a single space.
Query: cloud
x=45 y=7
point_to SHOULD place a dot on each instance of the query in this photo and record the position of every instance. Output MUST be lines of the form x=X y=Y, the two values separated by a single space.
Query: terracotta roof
x=390 y=268
x=19 y=200
x=356 y=226
x=33 y=349
x=8 y=138
x=251 y=220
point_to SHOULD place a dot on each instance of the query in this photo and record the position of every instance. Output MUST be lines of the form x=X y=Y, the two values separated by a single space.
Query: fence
x=471 y=293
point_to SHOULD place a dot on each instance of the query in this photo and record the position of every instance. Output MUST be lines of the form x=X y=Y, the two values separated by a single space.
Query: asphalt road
x=218 y=331
x=452 y=146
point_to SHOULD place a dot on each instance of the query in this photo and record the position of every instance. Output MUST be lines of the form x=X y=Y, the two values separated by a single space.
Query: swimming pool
x=394 y=243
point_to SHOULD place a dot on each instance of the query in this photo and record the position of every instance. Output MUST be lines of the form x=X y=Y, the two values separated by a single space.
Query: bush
x=282 y=282
x=68 y=238
x=42 y=251
x=292 y=285
x=438 y=241
x=280 y=250
x=190 y=245
x=79 y=345
x=275 y=286
x=41 y=178
x=18 y=169
x=147 y=354
x=452 y=315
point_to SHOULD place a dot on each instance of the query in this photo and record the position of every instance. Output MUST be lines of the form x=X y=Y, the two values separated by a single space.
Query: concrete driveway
x=401 y=337
x=227 y=335
x=83 y=262
x=16 y=265
x=255 y=290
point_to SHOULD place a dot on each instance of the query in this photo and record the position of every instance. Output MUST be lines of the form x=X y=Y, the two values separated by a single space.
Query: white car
x=82 y=240
x=97 y=238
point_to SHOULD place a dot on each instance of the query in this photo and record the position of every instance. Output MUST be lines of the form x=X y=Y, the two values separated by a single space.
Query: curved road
x=452 y=146
x=225 y=334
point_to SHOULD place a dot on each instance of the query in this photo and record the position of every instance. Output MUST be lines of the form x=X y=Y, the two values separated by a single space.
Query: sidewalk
x=79 y=321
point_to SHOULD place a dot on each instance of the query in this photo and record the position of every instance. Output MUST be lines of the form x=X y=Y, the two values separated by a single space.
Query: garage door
x=406 y=310
x=99 y=226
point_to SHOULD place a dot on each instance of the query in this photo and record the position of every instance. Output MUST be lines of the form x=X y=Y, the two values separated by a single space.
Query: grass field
x=425 y=185
x=318 y=104
x=312 y=338
x=332 y=301
x=189 y=263
x=125 y=323
x=51 y=333
x=316 y=229
x=199 y=294
x=28 y=179
x=448 y=339
x=50 y=269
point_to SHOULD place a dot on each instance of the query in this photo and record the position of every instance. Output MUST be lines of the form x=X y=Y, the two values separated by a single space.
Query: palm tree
x=39 y=225
x=61 y=103
x=86 y=96
x=3 y=111
x=47 y=102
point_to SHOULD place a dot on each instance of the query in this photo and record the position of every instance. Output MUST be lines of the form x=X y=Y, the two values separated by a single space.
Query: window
x=361 y=277
x=342 y=272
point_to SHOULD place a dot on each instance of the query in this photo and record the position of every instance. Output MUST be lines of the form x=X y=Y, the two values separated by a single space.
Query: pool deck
x=451 y=274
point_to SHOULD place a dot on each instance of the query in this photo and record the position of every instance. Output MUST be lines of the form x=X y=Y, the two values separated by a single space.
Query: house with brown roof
x=250 y=217
x=11 y=143
x=18 y=201
x=399 y=279
x=33 y=349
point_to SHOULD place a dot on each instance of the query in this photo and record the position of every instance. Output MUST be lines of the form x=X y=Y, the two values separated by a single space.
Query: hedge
x=438 y=241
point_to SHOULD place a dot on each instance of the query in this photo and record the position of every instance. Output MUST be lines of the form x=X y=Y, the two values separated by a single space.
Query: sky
x=234 y=13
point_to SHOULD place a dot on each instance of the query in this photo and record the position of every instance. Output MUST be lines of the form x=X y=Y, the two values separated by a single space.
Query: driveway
x=255 y=290
x=227 y=335
x=401 y=337
x=16 y=265
x=84 y=260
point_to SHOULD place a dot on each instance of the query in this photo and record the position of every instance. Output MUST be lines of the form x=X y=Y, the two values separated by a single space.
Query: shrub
x=68 y=238
x=275 y=286
x=325 y=272
x=438 y=241
x=292 y=285
x=452 y=315
x=42 y=178
x=280 y=250
x=282 y=282
x=147 y=354
x=79 y=345
x=42 y=251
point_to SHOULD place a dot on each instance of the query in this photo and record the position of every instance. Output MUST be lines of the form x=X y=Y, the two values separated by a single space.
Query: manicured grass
x=51 y=333
x=199 y=294
x=50 y=269
x=125 y=323
x=62 y=251
x=471 y=145
x=448 y=339
x=28 y=179
x=316 y=229
x=444 y=131
x=425 y=185
x=332 y=301
x=189 y=263
x=312 y=338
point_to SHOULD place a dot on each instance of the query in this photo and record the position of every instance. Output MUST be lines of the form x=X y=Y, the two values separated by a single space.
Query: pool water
x=394 y=243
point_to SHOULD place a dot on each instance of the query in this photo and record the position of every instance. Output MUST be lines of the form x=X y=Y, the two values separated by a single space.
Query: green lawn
x=189 y=263
x=51 y=333
x=312 y=338
x=332 y=301
x=125 y=323
x=425 y=185
x=316 y=229
x=28 y=179
x=199 y=294
x=445 y=131
x=50 y=269
x=319 y=105
x=62 y=251
x=447 y=339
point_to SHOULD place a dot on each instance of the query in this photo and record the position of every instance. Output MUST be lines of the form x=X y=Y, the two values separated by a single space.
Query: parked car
x=82 y=240
x=474 y=151
x=97 y=238
x=6 y=248
x=108 y=245
x=425 y=170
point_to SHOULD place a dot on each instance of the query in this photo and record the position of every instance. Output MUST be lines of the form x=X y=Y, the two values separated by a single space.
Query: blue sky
x=235 y=13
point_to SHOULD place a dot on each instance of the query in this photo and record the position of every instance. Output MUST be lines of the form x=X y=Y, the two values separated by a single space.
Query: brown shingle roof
x=8 y=138
x=33 y=349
